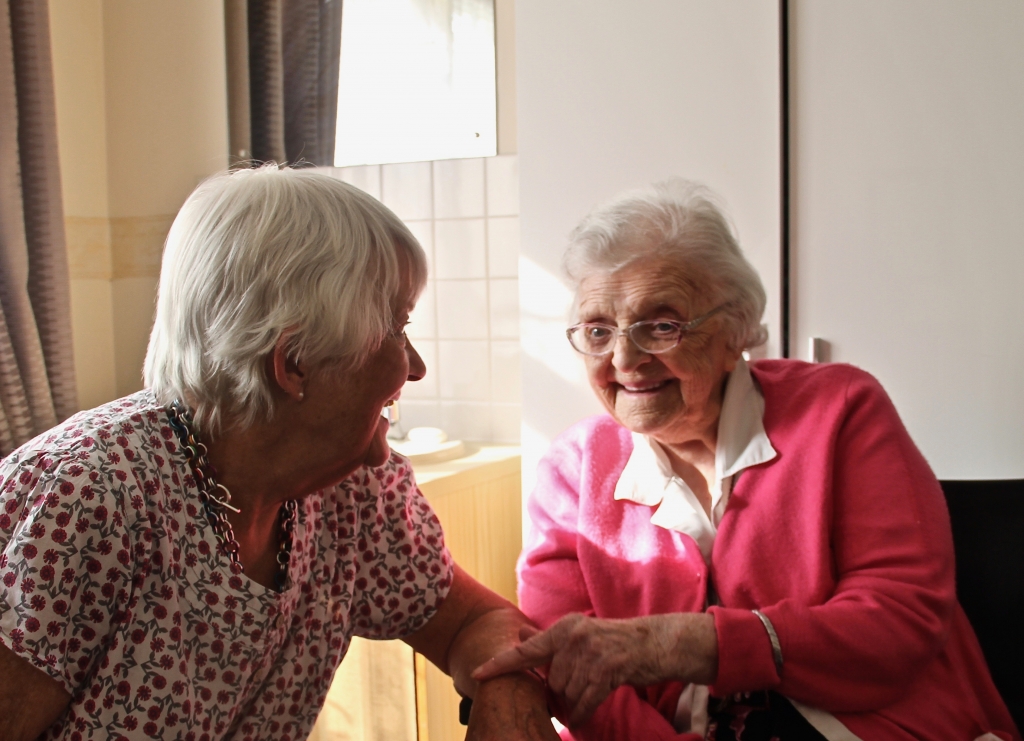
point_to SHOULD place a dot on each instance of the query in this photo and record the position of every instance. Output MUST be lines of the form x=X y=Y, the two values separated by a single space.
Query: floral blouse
x=112 y=583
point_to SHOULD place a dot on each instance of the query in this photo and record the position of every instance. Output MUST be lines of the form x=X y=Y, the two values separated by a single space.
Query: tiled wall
x=466 y=326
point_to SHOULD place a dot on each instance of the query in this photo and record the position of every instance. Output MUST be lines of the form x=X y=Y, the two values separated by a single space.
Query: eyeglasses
x=652 y=336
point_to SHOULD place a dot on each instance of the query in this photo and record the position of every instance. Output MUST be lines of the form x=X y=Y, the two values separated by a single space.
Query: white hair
x=683 y=222
x=255 y=255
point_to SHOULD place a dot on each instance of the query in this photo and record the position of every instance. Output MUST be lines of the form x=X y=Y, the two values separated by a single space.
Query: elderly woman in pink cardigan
x=734 y=551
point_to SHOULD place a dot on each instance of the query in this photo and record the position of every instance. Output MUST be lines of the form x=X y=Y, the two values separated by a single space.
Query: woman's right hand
x=588 y=657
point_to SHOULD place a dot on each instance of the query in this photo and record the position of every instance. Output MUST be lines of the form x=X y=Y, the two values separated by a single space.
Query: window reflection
x=416 y=81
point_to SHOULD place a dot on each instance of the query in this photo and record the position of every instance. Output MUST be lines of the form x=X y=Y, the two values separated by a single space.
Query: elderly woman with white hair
x=734 y=551
x=191 y=561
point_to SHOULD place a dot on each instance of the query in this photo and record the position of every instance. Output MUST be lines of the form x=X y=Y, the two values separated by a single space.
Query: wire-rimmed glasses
x=653 y=336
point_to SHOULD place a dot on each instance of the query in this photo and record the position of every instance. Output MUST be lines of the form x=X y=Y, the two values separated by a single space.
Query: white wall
x=908 y=135
x=613 y=95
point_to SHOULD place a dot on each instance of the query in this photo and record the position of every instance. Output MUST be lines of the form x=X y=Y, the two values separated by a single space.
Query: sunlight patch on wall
x=545 y=304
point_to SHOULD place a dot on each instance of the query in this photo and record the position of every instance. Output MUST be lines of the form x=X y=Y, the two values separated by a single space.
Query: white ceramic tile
x=460 y=248
x=364 y=177
x=423 y=320
x=503 y=185
x=423 y=230
x=462 y=309
x=426 y=387
x=503 y=247
x=466 y=421
x=406 y=189
x=459 y=188
x=419 y=414
x=506 y=423
x=506 y=372
x=504 y=308
x=463 y=371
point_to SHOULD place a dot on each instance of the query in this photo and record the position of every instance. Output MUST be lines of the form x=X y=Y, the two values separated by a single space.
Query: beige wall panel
x=88 y=244
x=166 y=101
x=76 y=28
x=133 y=305
x=137 y=244
x=91 y=322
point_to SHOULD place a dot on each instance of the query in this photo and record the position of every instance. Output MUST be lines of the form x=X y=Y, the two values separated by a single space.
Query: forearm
x=493 y=630
x=680 y=646
x=472 y=625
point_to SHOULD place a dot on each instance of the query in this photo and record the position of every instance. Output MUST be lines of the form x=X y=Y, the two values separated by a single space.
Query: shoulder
x=794 y=384
x=89 y=463
x=787 y=375
x=816 y=404
x=91 y=434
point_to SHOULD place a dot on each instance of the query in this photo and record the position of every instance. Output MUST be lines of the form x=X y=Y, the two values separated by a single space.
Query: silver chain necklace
x=216 y=498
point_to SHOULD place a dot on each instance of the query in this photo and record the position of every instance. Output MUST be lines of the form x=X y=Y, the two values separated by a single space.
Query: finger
x=578 y=683
x=532 y=653
x=589 y=701
x=526 y=632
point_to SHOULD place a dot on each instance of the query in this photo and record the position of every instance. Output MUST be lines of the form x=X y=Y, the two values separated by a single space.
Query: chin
x=379 y=451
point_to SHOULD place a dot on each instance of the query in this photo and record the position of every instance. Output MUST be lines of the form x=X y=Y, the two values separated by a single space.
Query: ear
x=289 y=373
x=732 y=358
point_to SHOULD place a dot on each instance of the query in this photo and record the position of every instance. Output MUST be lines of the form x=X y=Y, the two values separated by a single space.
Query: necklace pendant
x=226 y=501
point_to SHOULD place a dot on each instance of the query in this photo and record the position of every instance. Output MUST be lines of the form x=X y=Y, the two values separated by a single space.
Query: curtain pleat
x=236 y=24
x=37 y=376
x=291 y=79
x=266 y=81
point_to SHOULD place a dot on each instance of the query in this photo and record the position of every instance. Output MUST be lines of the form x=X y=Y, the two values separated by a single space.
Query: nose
x=626 y=356
x=417 y=368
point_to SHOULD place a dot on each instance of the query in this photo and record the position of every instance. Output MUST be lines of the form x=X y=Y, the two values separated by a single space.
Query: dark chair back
x=988 y=534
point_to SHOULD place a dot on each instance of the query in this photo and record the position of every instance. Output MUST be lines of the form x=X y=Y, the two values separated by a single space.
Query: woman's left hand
x=587 y=657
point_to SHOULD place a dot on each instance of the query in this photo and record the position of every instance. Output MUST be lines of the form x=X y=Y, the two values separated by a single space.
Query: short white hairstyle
x=258 y=254
x=681 y=221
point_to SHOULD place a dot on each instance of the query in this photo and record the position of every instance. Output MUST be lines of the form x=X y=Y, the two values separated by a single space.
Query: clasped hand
x=587 y=658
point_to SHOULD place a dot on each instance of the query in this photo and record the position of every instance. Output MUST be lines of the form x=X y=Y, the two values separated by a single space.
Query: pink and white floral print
x=111 y=581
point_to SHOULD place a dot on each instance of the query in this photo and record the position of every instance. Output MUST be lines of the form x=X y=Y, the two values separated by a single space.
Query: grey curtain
x=37 y=370
x=283 y=58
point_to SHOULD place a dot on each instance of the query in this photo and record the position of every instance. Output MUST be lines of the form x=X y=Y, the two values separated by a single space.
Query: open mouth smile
x=644 y=388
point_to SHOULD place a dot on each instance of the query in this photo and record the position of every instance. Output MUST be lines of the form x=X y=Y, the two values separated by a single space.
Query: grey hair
x=257 y=254
x=683 y=222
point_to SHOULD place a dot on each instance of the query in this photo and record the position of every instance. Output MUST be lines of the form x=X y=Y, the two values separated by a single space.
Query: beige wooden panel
x=482 y=520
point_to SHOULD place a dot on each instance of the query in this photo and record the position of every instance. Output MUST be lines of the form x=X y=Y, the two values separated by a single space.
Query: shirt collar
x=648 y=477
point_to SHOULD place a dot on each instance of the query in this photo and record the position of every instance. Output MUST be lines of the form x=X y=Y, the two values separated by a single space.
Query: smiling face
x=347 y=404
x=675 y=396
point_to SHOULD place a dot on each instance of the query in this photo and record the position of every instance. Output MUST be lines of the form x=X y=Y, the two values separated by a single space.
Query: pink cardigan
x=843 y=541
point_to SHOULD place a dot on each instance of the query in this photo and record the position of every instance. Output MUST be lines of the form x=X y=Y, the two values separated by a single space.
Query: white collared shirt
x=648 y=477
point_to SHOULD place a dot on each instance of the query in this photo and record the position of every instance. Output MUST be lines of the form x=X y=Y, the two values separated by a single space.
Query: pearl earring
x=302 y=395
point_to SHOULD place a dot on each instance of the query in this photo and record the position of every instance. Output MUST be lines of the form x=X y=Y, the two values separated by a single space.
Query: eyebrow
x=653 y=312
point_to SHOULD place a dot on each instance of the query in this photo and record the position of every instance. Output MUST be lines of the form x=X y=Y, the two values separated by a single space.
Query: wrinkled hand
x=587 y=657
x=512 y=707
